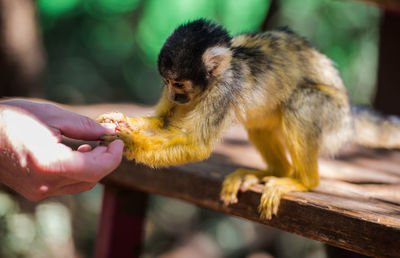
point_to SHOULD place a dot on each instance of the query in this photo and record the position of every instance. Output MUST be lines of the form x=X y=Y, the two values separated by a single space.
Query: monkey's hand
x=127 y=129
x=119 y=120
x=147 y=142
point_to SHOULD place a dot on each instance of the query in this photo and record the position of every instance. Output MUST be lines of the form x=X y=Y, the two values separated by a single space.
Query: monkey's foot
x=241 y=179
x=272 y=194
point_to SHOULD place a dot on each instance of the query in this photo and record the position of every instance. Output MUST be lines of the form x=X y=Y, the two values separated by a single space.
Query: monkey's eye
x=178 y=85
x=166 y=81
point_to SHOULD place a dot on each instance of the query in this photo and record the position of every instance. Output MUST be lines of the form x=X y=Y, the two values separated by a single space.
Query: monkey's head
x=192 y=57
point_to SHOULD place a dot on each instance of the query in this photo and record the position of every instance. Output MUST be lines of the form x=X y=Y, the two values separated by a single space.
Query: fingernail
x=109 y=126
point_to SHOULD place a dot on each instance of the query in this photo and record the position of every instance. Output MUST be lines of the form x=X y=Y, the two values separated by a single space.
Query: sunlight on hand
x=29 y=138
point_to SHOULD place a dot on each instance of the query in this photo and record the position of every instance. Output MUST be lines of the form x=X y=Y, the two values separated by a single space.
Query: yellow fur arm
x=166 y=148
x=148 y=142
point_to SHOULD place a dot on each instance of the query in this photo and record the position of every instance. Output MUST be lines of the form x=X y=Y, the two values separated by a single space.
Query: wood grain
x=356 y=206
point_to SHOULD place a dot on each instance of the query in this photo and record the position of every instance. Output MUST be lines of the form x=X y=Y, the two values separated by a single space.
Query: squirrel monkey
x=288 y=96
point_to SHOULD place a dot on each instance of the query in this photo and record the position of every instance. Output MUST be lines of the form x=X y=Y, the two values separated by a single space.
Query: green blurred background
x=105 y=51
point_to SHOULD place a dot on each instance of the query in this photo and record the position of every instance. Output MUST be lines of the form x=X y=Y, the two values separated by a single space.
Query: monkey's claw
x=274 y=189
x=270 y=200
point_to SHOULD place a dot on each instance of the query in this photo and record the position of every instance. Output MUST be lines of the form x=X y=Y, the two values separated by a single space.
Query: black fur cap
x=183 y=50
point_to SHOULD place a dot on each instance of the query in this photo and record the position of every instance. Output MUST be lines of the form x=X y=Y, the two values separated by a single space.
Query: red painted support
x=121 y=224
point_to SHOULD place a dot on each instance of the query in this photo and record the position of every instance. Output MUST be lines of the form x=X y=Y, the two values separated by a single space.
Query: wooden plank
x=356 y=206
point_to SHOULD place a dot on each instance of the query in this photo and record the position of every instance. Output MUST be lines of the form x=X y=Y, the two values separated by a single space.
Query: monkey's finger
x=276 y=200
x=248 y=181
x=229 y=192
x=108 y=138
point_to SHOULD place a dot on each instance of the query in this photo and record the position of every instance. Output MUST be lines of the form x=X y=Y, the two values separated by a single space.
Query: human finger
x=110 y=127
x=74 y=125
x=81 y=127
x=102 y=160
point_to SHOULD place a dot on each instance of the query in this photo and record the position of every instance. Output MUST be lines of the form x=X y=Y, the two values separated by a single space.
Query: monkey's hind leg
x=272 y=145
x=304 y=153
x=269 y=144
x=302 y=177
x=303 y=130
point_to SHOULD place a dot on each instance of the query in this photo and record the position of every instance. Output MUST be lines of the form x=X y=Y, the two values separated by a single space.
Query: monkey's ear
x=216 y=59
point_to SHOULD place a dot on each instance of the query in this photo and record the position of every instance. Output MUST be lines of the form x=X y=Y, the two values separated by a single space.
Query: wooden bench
x=356 y=206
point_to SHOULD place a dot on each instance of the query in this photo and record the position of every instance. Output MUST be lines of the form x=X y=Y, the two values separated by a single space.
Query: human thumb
x=81 y=127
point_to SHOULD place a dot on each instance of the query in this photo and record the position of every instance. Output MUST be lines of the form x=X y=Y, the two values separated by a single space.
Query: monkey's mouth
x=181 y=98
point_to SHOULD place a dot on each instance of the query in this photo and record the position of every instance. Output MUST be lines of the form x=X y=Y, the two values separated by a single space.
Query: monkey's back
x=285 y=55
x=281 y=70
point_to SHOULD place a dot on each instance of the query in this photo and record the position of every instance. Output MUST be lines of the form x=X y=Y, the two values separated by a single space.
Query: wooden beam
x=355 y=223
x=355 y=207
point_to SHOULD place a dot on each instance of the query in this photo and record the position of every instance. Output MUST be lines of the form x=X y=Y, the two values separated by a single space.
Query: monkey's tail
x=372 y=129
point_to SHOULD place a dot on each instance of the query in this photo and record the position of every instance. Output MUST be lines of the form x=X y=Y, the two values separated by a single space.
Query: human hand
x=34 y=163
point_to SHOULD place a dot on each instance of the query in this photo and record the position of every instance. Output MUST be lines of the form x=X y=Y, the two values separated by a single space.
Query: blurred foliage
x=345 y=31
x=106 y=51
x=59 y=227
